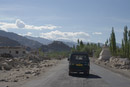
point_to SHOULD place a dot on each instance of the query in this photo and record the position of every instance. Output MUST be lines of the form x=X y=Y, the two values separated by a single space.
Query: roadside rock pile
x=120 y=63
x=6 y=63
x=9 y=63
x=34 y=58
x=114 y=62
x=18 y=69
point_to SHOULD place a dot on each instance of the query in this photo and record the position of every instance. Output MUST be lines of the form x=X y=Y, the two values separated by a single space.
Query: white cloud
x=97 y=33
x=27 y=34
x=71 y=36
x=19 y=24
x=50 y=27
x=5 y=26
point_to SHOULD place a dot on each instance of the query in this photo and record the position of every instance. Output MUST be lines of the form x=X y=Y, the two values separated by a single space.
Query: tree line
x=92 y=49
x=124 y=50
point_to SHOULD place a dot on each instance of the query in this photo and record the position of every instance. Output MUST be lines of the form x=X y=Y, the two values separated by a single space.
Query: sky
x=87 y=20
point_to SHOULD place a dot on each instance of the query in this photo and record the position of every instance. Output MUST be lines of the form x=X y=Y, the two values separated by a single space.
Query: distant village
x=18 y=51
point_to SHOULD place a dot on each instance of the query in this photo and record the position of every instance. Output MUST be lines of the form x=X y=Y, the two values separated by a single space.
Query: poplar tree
x=81 y=44
x=106 y=43
x=125 y=40
x=123 y=48
x=129 y=43
x=113 y=42
x=78 y=41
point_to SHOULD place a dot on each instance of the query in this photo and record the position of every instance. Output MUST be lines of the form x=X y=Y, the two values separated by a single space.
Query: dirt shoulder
x=17 y=76
x=107 y=65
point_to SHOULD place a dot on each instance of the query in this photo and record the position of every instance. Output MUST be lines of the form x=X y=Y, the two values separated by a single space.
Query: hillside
x=22 y=40
x=39 y=39
x=46 y=41
x=57 y=46
x=4 y=41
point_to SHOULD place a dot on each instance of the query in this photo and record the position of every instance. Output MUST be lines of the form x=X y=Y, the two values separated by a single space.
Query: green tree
x=106 y=43
x=125 y=42
x=78 y=41
x=129 y=44
x=91 y=48
x=113 y=42
x=41 y=52
x=122 y=49
x=73 y=48
x=81 y=44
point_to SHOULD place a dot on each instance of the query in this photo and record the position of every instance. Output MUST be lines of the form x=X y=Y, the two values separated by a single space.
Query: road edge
x=118 y=71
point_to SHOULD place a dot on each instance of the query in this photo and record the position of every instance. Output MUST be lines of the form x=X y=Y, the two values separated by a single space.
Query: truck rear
x=79 y=63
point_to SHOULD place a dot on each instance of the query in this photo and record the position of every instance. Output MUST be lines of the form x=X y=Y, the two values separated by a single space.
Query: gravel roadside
x=124 y=72
x=21 y=75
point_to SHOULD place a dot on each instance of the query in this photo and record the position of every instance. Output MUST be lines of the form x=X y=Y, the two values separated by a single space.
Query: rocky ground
x=17 y=70
x=118 y=65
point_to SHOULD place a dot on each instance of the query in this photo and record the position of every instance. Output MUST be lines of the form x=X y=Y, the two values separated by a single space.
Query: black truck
x=79 y=63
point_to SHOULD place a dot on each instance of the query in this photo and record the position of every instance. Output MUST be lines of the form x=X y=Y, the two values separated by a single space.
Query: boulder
x=28 y=72
x=6 y=66
x=3 y=80
x=122 y=63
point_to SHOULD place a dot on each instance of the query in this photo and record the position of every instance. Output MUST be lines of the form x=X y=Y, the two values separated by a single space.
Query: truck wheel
x=86 y=73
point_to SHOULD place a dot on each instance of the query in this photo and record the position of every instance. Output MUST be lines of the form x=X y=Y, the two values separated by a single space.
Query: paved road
x=99 y=77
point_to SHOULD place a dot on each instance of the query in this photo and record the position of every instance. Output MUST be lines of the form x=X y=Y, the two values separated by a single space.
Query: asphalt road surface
x=58 y=77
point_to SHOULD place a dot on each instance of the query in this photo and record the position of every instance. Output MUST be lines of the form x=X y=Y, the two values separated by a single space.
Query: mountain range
x=55 y=46
x=5 y=41
x=46 y=41
x=39 y=39
x=20 y=39
x=13 y=39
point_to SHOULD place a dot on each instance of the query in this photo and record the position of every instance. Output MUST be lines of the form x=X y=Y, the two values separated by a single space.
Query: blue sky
x=88 y=20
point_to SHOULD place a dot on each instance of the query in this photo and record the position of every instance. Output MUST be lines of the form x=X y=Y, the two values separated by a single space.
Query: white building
x=14 y=51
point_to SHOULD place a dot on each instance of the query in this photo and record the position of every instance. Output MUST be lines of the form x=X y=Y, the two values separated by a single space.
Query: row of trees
x=91 y=48
x=124 y=50
x=94 y=49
